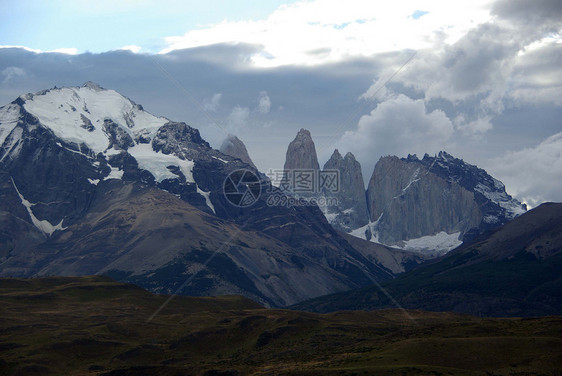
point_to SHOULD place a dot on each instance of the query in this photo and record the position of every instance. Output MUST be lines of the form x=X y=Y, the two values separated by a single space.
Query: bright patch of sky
x=77 y=26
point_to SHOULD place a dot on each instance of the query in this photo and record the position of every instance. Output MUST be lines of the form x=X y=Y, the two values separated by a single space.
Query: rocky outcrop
x=496 y=205
x=349 y=211
x=411 y=198
x=177 y=138
x=234 y=147
x=301 y=153
x=300 y=172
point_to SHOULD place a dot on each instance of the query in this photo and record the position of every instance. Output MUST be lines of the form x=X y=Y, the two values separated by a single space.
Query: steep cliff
x=411 y=199
x=349 y=211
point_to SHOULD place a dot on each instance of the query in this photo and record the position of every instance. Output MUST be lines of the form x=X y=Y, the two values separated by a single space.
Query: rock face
x=301 y=153
x=350 y=210
x=234 y=147
x=430 y=205
x=411 y=198
x=300 y=172
x=141 y=198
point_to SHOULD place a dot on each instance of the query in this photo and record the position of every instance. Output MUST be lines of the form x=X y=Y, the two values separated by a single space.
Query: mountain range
x=430 y=205
x=90 y=183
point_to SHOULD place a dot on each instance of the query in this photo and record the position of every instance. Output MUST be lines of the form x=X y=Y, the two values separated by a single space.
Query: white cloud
x=398 y=126
x=212 y=104
x=65 y=50
x=264 y=103
x=238 y=119
x=22 y=47
x=376 y=91
x=321 y=31
x=533 y=175
x=133 y=48
x=10 y=73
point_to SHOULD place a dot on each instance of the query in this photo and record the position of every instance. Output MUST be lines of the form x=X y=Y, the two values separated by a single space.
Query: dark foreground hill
x=95 y=326
x=514 y=271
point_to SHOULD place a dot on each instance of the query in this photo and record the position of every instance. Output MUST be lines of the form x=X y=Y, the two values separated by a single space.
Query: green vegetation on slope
x=95 y=326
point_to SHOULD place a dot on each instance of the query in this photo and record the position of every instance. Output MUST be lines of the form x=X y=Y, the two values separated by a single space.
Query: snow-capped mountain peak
x=108 y=136
x=81 y=114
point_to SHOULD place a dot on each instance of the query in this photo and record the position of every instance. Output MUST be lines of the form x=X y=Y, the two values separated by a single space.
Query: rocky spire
x=350 y=211
x=234 y=147
x=301 y=167
x=301 y=153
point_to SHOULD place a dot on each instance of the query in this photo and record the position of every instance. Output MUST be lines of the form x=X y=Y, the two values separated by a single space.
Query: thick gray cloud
x=526 y=11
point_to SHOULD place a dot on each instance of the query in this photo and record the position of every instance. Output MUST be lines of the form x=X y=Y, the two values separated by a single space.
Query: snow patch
x=440 y=242
x=94 y=181
x=73 y=151
x=14 y=146
x=413 y=179
x=9 y=116
x=157 y=163
x=220 y=159
x=115 y=174
x=43 y=225
x=490 y=219
x=372 y=226
x=500 y=197
x=207 y=198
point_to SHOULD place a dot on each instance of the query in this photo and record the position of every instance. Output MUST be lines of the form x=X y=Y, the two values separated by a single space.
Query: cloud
x=326 y=31
x=475 y=128
x=133 y=48
x=264 y=103
x=398 y=126
x=63 y=50
x=533 y=175
x=238 y=119
x=213 y=103
x=478 y=63
x=525 y=11
x=11 y=73
x=537 y=74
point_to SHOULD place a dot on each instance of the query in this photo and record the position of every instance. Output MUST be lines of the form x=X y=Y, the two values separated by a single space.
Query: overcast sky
x=479 y=79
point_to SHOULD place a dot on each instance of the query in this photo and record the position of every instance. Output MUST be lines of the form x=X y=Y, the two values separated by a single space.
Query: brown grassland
x=95 y=326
